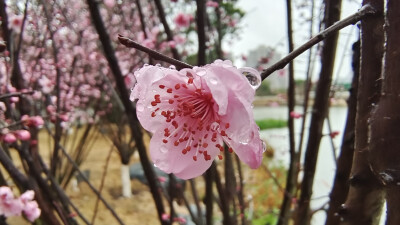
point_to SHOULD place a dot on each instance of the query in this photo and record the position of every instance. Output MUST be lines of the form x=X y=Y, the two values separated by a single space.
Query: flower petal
x=250 y=153
x=170 y=159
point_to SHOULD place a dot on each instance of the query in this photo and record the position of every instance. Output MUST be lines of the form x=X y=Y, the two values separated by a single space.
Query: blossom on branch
x=183 y=20
x=192 y=112
x=11 y=206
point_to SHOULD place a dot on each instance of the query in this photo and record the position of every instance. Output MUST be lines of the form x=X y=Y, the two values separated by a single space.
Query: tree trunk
x=320 y=110
x=125 y=181
x=385 y=121
x=365 y=197
x=340 y=186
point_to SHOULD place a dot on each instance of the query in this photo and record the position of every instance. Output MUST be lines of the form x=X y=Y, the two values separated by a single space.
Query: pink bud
x=295 y=115
x=23 y=135
x=334 y=134
x=165 y=217
x=9 y=138
x=37 y=121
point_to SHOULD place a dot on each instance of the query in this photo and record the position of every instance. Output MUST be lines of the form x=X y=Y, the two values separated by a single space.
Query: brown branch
x=15 y=94
x=167 y=30
x=129 y=109
x=154 y=54
x=362 y=13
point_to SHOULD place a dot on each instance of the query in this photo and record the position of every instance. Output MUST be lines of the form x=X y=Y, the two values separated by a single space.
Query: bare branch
x=154 y=54
x=362 y=13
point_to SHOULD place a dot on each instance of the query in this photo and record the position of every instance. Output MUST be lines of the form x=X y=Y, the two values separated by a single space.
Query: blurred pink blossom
x=191 y=113
x=22 y=135
x=109 y=3
x=212 y=4
x=295 y=115
x=183 y=20
x=9 y=138
x=11 y=206
x=15 y=22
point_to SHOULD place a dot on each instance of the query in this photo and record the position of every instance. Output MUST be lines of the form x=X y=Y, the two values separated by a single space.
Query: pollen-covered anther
x=177 y=86
x=195 y=158
x=220 y=157
x=165 y=141
x=171 y=101
x=169 y=90
x=176 y=143
x=230 y=150
x=161 y=86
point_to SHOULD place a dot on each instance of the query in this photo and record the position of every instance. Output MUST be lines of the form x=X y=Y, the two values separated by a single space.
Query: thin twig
x=363 y=12
x=15 y=94
x=96 y=192
x=102 y=184
x=154 y=54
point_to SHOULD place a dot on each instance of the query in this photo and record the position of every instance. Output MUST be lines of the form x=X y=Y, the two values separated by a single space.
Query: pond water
x=326 y=166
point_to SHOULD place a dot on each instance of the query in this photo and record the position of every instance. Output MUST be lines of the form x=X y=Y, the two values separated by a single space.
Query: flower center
x=189 y=110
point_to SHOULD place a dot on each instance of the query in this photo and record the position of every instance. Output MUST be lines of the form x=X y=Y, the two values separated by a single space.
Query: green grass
x=271 y=123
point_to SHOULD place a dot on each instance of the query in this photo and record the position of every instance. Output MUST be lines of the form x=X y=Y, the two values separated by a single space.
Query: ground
x=140 y=208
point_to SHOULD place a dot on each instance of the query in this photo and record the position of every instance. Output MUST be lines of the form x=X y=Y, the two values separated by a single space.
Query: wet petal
x=170 y=158
x=252 y=152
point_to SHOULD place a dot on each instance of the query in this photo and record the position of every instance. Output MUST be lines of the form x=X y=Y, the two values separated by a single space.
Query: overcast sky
x=265 y=24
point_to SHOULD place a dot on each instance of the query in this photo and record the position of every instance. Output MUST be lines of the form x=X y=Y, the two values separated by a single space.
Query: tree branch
x=362 y=13
x=154 y=54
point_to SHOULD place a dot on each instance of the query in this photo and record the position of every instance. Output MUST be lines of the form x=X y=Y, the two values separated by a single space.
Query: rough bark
x=365 y=197
x=320 y=110
x=341 y=185
x=385 y=121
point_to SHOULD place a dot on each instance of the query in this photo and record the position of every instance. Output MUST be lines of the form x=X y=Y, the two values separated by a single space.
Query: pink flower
x=9 y=206
x=295 y=115
x=31 y=210
x=23 y=135
x=212 y=4
x=165 y=217
x=9 y=138
x=183 y=20
x=191 y=113
x=109 y=3
x=15 y=22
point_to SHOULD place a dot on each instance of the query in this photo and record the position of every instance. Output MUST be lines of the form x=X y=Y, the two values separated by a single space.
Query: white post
x=126 y=181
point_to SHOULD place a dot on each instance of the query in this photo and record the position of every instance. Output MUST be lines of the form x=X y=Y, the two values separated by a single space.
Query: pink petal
x=250 y=153
x=170 y=159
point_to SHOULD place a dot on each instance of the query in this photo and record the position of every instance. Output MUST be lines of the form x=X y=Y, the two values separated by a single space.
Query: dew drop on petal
x=264 y=146
x=139 y=107
x=214 y=126
x=163 y=149
x=253 y=76
x=201 y=72
x=213 y=81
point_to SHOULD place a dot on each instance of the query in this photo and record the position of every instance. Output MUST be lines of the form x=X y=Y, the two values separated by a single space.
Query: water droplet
x=201 y=72
x=214 y=126
x=155 y=165
x=172 y=67
x=252 y=75
x=213 y=81
x=264 y=146
x=163 y=149
x=158 y=65
x=140 y=107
